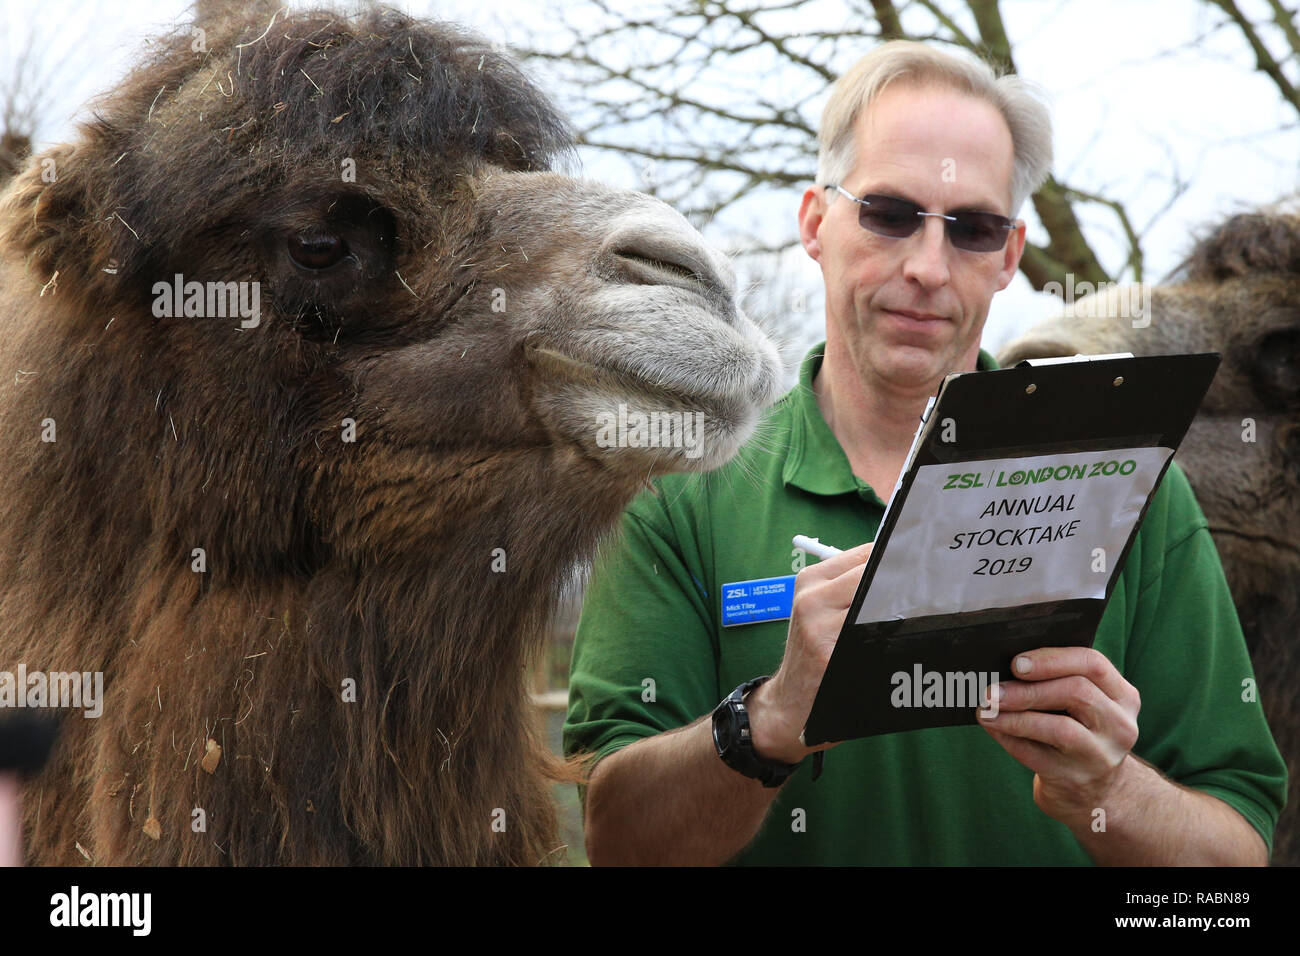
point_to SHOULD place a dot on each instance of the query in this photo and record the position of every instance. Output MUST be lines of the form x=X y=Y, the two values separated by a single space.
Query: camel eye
x=317 y=252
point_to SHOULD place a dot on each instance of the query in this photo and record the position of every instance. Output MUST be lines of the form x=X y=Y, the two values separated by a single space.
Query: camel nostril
x=656 y=263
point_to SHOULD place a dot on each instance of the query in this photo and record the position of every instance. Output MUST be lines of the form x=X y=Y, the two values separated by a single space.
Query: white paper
x=1012 y=531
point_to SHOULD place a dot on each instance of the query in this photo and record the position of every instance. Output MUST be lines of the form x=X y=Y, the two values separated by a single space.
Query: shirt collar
x=814 y=460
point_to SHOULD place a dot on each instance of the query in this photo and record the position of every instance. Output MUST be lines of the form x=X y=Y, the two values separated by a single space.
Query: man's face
x=910 y=310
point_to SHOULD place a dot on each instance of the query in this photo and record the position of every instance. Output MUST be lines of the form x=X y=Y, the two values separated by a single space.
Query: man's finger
x=1046 y=663
x=838 y=564
x=1080 y=697
x=845 y=586
x=1039 y=758
x=1062 y=733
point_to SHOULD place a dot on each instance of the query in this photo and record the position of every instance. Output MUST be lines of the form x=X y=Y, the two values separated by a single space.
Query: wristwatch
x=731 y=738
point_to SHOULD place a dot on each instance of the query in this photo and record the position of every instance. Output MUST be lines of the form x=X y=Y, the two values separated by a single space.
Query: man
x=1159 y=696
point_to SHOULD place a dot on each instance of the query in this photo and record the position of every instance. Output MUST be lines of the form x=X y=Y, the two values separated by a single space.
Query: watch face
x=722 y=735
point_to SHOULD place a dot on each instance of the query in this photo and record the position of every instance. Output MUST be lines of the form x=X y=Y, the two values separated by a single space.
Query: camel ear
x=1245 y=244
x=44 y=210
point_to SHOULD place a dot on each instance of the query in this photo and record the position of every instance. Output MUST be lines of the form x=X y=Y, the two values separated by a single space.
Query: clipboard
x=928 y=622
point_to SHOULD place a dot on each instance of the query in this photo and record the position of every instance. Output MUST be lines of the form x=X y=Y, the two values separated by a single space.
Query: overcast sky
x=1136 y=98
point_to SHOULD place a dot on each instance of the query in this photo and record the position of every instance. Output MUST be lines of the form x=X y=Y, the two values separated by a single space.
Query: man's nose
x=927 y=256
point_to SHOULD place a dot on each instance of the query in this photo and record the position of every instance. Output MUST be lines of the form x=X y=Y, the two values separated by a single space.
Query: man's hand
x=668 y=799
x=1076 y=756
x=779 y=708
x=1083 y=761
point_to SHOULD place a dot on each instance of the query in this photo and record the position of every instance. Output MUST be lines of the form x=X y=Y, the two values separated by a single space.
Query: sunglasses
x=899 y=218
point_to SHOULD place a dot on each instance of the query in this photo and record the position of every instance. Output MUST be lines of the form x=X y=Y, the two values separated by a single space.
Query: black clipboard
x=1033 y=409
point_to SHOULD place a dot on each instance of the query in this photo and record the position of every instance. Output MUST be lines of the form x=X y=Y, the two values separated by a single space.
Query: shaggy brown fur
x=327 y=561
x=1238 y=293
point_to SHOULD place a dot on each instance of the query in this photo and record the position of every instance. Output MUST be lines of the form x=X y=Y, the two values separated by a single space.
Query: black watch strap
x=734 y=744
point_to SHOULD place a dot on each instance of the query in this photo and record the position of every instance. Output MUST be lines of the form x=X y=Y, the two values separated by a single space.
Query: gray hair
x=1016 y=99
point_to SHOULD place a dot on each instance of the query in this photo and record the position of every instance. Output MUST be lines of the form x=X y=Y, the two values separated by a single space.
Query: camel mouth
x=608 y=378
x=633 y=422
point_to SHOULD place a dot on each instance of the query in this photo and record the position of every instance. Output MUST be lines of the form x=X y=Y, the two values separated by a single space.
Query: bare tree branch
x=679 y=89
x=1264 y=60
x=1285 y=19
x=29 y=89
x=890 y=26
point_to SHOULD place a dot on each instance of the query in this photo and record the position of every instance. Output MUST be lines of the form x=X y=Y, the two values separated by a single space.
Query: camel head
x=1238 y=293
x=354 y=296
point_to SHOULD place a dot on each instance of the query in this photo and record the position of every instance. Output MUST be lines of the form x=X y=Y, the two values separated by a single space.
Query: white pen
x=814 y=547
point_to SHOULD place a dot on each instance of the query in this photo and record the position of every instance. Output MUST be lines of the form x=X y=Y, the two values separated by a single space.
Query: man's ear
x=1015 y=248
x=811 y=211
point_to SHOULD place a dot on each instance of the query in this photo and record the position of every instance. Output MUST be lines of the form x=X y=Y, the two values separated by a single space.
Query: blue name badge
x=763 y=599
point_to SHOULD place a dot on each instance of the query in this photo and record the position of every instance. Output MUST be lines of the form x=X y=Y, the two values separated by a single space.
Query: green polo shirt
x=651 y=655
